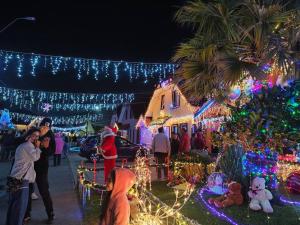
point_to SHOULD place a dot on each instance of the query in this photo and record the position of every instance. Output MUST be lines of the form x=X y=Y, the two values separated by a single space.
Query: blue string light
x=105 y=69
x=18 y=95
x=261 y=164
x=59 y=120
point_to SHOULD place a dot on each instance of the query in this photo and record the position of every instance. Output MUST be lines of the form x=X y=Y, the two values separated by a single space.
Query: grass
x=283 y=215
x=91 y=210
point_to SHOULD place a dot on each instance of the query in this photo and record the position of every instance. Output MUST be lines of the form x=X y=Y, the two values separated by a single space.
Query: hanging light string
x=58 y=107
x=16 y=95
x=59 y=120
x=99 y=69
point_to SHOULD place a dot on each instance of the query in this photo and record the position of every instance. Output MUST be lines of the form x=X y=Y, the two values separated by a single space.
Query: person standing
x=200 y=142
x=174 y=144
x=108 y=150
x=185 y=145
x=23 y=169
x=59 y=143
x=162 y=150
x=41 y=166
x=66 y=146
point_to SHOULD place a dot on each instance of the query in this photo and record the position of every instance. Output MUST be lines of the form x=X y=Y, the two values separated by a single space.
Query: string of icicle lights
x=98 y=69
x=59 y=120
x=18 y=95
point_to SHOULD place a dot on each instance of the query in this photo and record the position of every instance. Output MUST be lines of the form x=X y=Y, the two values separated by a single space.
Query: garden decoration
x=216 y=183
x=293 y=182
x=260 y=196
x=232 y=197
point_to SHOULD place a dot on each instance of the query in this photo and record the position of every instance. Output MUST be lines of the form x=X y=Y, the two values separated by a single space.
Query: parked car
x=125 y=148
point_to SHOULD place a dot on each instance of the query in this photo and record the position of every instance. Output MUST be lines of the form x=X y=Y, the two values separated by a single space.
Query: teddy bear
x=260 y=196
x=232 y=197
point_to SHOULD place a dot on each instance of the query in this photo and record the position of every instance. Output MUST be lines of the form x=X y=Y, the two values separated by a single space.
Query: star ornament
x=46 y=107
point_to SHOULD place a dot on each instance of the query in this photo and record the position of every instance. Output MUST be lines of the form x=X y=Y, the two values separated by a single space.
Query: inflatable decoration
x=293 y=182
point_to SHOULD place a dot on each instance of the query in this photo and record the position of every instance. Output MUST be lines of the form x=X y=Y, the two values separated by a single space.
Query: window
x=175 y=99
x=194 y=128
x=162 y=102
x=167 y=131
x=174 y=128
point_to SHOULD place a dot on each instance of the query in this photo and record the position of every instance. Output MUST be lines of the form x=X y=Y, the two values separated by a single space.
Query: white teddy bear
x=260 y=196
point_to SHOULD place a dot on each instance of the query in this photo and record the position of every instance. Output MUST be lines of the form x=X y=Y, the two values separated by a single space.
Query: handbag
x=13 y=184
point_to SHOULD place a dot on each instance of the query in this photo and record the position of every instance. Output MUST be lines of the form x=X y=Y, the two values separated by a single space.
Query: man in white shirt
x=162 y=150
x=23 y=169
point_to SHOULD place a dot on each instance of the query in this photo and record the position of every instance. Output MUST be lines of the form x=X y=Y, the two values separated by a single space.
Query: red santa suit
x=109 y=151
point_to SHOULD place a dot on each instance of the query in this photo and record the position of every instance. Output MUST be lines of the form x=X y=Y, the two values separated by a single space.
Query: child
x=116 y=208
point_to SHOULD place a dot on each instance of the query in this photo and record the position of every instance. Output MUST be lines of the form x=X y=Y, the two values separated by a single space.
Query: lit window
x=162 y=102
x=175 y=99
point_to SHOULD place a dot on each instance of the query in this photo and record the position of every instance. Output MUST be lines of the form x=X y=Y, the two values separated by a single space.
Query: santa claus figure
x=108 y=150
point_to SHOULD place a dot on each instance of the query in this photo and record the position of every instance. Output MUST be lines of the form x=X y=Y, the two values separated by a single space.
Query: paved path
x=65 y=200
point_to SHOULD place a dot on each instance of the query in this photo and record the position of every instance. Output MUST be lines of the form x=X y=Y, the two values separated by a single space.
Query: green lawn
x=283 y=215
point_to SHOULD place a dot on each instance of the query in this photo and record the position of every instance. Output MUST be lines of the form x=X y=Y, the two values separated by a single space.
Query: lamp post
x=15 y=20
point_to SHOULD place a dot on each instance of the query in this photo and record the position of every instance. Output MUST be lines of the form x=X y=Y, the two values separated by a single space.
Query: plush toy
x=260 y=196
x=232 y=197
x=215 y=183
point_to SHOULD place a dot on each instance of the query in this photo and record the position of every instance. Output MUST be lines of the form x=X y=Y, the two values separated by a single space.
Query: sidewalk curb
x=74 y=174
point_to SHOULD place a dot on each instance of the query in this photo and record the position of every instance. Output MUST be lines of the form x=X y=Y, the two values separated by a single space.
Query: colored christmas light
x=288 y=201
x=212 y=209
x=261 y=164
x=104 y=69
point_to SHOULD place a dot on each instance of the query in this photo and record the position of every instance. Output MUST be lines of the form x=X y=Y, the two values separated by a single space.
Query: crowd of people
x=32 y=162
x=178 y=145
x=31 y=151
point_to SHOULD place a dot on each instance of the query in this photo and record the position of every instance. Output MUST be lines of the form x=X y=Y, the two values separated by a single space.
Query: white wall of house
x=126 y=118
x=162 y=104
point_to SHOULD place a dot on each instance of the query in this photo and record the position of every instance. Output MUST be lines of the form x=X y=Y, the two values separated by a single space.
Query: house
x=126 y=117
x=210 y=117
x=169 y=108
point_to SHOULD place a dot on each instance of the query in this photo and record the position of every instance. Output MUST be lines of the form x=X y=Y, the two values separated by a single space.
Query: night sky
x=117 y=30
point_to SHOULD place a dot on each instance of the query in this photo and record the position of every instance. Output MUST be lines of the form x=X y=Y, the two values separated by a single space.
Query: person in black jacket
x=41 y=168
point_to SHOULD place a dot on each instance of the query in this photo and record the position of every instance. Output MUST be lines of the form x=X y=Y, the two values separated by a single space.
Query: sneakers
x=27 y=219
x=34 y=196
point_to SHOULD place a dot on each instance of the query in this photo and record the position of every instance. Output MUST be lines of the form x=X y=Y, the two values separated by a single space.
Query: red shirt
x=185 y=144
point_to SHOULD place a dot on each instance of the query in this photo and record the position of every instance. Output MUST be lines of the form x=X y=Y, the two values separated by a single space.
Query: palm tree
x=232 y=40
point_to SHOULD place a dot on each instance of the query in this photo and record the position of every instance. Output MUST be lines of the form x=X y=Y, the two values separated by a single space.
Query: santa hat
x=107 y=132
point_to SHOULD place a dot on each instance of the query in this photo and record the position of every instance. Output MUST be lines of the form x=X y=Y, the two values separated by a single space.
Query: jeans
x=17 y=205
x=31 y=190
x=57 y=159
x=161 y=159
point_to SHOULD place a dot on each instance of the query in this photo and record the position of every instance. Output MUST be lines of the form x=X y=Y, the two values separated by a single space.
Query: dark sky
x=116 y=30
x=128 y=30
